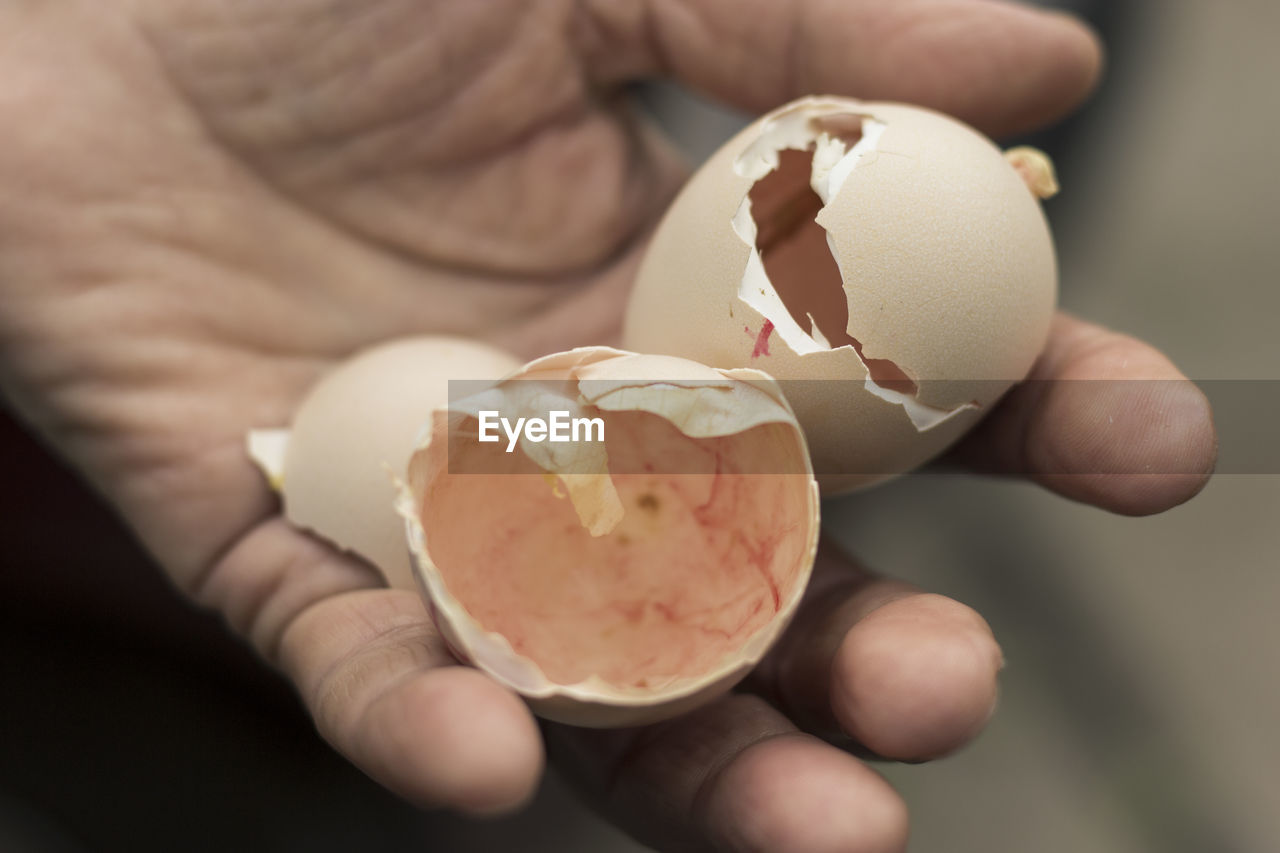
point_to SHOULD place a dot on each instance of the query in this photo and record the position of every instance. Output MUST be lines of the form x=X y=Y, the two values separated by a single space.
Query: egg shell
x=511 y=574
x=948 y=272
x=352 y=436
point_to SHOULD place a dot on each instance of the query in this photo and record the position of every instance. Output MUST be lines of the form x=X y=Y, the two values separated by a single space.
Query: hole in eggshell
x=806 y=152
x=847 y=127
x=705 y=556
x=797 y=257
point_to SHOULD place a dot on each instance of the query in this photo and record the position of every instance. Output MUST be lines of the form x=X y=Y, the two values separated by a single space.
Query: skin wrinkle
x=270 y=44
x=461 y=235
x=263 y=180
x=590 y=141
x=285 y=185
x=163 y=482
x=636 y=209
x=1107 y=354
x=168 y=459
x=245 y=594
x=154 y=257
x=359 y=634
x=342 y=700
x=243 y=608
x=417 y=121
x=366 y=67
x=217 y=139
x=561 y=84
x=300 y=588
x=199 y=252
x=746 y=722
x=352 y=677
x=95 y=412
x=1018 y=437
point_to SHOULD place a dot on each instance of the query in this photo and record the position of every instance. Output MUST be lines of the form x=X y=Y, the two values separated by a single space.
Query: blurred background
x=1142 y=691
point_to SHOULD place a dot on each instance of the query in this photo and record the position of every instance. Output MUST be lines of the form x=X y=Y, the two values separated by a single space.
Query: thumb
x=1000 y=66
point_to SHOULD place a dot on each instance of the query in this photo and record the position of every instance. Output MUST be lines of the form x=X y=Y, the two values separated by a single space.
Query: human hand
x=205 y=204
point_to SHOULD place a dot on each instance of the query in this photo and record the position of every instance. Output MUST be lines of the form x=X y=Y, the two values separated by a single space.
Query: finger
x=1001 y=66
x=908 y=675
x=385 y=693
x=733 y=775
x=1104 y=419
x=376 y=676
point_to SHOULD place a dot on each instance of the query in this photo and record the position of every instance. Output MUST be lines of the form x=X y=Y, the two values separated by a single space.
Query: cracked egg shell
x=622 y=581
x=353 y=433
x=884 y=261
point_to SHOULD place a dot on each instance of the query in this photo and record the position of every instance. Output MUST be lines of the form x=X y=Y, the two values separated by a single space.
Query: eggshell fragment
x=336 y=465
x=885 y=262
x=621 y=581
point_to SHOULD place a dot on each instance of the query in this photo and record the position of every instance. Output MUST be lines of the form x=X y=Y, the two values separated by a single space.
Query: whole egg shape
x=883 y=261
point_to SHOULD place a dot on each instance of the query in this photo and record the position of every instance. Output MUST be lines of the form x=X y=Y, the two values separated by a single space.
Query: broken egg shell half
x=884 y=261
x=337 y=464
x=624 y=581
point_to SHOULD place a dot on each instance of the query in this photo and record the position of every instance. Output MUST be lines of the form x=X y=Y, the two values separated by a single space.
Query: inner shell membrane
x=711 y=547
x=798 y=260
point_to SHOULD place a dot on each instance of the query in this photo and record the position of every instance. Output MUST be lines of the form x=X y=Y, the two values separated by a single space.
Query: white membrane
x=833 y=163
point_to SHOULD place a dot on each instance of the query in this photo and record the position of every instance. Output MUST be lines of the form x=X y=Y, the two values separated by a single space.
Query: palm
x=278 y=246
x=204 y=204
